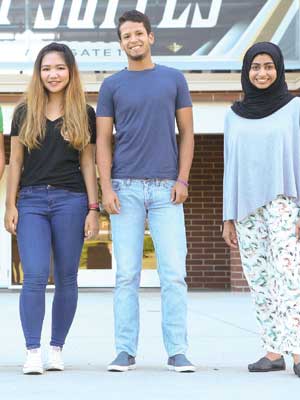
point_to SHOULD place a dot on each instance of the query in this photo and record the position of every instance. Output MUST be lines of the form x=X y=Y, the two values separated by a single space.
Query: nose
x=133 y=39
x=262 y=72
x=52 y=72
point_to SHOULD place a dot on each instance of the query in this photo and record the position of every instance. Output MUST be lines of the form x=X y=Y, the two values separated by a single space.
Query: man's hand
x=110 y=201
x=179 y=193
x=229 y=234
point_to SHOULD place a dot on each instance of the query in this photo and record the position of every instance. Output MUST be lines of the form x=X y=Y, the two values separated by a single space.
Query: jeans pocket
x=78 y=195
x=115 y=185
x=71 y=193
x=24 y=193
x=168 y=183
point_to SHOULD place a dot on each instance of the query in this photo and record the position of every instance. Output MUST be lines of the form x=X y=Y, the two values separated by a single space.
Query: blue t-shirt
x=143 y=106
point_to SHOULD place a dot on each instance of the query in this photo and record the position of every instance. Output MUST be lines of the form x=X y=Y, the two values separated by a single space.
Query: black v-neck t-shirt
x=55 y=162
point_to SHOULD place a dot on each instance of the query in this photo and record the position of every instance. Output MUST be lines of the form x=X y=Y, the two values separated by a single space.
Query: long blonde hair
x=74 y=127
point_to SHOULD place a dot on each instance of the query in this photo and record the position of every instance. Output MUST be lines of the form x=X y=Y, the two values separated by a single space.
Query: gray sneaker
x=122 y=363
x=180 y=363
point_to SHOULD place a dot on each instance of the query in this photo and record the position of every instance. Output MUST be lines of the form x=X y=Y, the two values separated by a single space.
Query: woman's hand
x=229 y=234
x=11 y=219
x=91 y=226
x=298 y=230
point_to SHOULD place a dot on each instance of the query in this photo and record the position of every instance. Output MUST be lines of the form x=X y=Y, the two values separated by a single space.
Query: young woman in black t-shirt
x=52 y=161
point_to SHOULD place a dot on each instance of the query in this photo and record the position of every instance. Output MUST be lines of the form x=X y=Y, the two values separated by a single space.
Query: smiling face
x=262 y=71
x=54 y=72
x=135 y=40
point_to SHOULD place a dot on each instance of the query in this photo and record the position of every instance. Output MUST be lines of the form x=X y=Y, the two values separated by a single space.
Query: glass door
x=97 y=265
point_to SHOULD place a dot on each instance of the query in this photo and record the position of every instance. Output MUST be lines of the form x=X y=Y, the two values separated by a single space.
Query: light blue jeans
x=141 y=199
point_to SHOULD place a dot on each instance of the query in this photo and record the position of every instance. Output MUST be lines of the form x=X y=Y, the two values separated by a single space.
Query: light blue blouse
x=261 y=160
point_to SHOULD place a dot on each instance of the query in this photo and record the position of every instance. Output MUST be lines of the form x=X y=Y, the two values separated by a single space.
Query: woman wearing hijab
x=261 y=200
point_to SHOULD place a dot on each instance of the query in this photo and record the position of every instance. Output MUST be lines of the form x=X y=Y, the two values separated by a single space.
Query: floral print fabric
x=270 y=257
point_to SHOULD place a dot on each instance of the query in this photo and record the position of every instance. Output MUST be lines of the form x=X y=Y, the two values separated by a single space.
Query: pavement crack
x=229 y=323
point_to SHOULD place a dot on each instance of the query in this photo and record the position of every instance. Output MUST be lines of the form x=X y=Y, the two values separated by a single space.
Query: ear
x=121 y=45
x=151 y=38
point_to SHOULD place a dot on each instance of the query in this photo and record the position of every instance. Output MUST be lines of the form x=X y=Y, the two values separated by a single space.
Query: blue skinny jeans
x=51 y=220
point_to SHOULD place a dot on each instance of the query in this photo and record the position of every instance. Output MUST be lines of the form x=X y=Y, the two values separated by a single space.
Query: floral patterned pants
x=271 y=262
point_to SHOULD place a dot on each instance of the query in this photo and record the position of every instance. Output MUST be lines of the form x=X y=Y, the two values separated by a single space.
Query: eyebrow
x=56 y=65
x=126 y=33
x=266 y=63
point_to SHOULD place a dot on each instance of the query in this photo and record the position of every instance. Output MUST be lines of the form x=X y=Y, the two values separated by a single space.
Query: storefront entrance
x=97 y=264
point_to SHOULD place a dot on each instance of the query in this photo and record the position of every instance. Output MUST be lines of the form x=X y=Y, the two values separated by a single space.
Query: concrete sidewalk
x=223 y=340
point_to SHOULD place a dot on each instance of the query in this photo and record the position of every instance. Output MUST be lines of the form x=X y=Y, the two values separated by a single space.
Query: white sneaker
x=55 y=361
x=33 y=364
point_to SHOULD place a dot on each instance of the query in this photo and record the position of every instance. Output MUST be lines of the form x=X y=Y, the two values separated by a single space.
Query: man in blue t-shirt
x=146 y=178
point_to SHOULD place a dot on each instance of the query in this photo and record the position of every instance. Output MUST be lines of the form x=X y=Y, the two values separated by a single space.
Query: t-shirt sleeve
x=92 y=123
x=183 y=98
x=17 y=119
x=1 y=121
x=105 y=104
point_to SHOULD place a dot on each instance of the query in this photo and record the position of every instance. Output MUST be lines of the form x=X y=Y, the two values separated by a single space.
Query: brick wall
x=237 y=278
x=208 y=262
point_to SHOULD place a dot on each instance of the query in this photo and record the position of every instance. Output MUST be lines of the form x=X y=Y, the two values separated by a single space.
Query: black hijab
x=259 y=103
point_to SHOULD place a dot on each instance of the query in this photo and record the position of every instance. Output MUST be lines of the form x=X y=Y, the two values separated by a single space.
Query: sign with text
x=190 y=35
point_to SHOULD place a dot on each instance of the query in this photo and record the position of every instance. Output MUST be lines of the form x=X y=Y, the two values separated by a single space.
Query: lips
x=262 y=82
x=135 y=47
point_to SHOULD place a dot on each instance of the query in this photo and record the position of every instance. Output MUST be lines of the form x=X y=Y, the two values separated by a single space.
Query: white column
x=5 y=240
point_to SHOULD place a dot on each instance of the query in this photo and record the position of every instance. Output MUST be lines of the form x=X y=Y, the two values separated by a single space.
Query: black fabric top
x=55 y=162
x=260 y=103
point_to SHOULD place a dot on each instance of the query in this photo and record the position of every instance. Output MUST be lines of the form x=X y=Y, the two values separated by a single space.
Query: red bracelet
x=184 y=183
x=93 y=206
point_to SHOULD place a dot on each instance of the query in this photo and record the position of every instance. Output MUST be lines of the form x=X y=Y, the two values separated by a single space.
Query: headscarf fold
x=260 y=103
